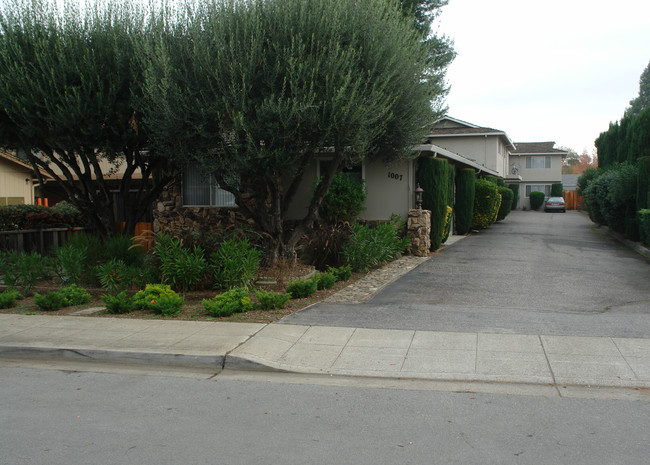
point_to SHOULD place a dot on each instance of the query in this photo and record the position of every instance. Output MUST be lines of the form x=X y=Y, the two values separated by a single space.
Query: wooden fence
x=35 y=240
x=573 y=200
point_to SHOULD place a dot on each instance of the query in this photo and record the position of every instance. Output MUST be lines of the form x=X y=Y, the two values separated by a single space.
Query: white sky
x=555 y=70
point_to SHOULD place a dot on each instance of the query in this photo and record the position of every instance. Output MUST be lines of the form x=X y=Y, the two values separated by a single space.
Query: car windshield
x=555 y=199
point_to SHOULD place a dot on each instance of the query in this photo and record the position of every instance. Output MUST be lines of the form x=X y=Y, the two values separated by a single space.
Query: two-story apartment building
x=535 y=166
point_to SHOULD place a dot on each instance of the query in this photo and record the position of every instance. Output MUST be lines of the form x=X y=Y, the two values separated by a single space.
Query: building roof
x=22 y=163
x=436 y=150
x=448 y=126
x=537 y=148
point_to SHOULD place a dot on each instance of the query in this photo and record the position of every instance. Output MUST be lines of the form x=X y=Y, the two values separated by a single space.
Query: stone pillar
x=419 y=232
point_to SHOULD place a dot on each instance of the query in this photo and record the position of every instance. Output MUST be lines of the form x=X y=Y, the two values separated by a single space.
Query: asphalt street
x=533 y=273
x=66 y=417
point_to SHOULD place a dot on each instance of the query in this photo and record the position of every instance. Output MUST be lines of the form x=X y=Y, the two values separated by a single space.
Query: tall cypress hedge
x=432 y=176
x=506 y=202
x=451 y=182
x=557 y=190
x=515 y=198
x=643 y=183
x=464 y=200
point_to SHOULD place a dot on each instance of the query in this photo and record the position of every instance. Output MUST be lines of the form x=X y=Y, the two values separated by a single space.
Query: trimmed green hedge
x=557 y=190
x=515 y=198
x=18 y=217
x=536 y=200
x=644 y=226
x=643 y=183
x=487 y=201
x=506 y=202
x=465 y=181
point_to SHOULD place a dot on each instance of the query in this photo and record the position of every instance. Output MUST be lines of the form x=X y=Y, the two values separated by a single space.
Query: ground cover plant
x=159 y=299
x=9 y=297
x=236 y=300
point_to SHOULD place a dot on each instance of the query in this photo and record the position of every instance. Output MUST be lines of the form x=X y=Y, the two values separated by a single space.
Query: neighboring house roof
x=570 y=181
x=448 y=126
x=454 y=156
x=537 y=148
x=22 y=163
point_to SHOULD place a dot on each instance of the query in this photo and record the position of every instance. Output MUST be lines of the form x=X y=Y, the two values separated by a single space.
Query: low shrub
x=118 y=304
x=370 y=247
x=50 y=302
x=23 y=270
x=536 y=200
x=160 y=299
x=325 y=280
x=8 y=298
x=302 y=288
x=235 y=300
x=235 y=264
x=270 y=300
x=116 y=275
x=74 y=295
x=342 y=273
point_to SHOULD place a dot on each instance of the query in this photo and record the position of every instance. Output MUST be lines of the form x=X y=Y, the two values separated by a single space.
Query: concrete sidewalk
x=429 y=355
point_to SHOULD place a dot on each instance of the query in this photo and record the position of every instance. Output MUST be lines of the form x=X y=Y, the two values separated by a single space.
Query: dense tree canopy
x=69 y=93
x=257 y=90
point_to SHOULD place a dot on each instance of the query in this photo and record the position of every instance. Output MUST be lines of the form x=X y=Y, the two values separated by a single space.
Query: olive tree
x=70 y=87
x=257 y=90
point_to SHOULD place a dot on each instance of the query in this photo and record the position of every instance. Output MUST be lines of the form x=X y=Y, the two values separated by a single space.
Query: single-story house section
x=538 y=165
x=16 y=180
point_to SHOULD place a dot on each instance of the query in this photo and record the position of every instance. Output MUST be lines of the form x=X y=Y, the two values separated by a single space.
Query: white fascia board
x=456 y=120
x=454 y=156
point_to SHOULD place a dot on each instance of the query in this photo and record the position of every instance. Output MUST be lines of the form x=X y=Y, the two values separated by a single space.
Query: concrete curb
x=637 y=247
x=114 y=356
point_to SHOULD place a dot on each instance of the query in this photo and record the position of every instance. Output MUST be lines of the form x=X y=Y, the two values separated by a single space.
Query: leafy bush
x=94 y=247
x=536 y=200
x=557 y=190
x=611 y=197
x=160 y=299
x=235 y=300
x=344 y=200
x=72 y=262
x=487 y=201
x=643 y=183
x=50 y=301
x=506 y=202
x=180 y=267
x=73 y=295
x=465 y=192
x=235 y=264
x=325 y=280
x=8 y=298
x=370 y=247
x=23 y=270
x=270 y=300
x=122 y=248
x=118 y=304
x=302 y=288
x=342 y=273
x=644 y=226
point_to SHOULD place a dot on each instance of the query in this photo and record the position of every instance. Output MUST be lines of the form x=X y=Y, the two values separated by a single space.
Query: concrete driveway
x=533 y=273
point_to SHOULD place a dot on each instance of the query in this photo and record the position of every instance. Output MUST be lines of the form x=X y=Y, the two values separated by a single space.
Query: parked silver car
x=555 y=204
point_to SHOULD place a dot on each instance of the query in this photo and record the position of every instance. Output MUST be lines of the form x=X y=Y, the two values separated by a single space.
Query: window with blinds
x=538 y=162
x=202 y=190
